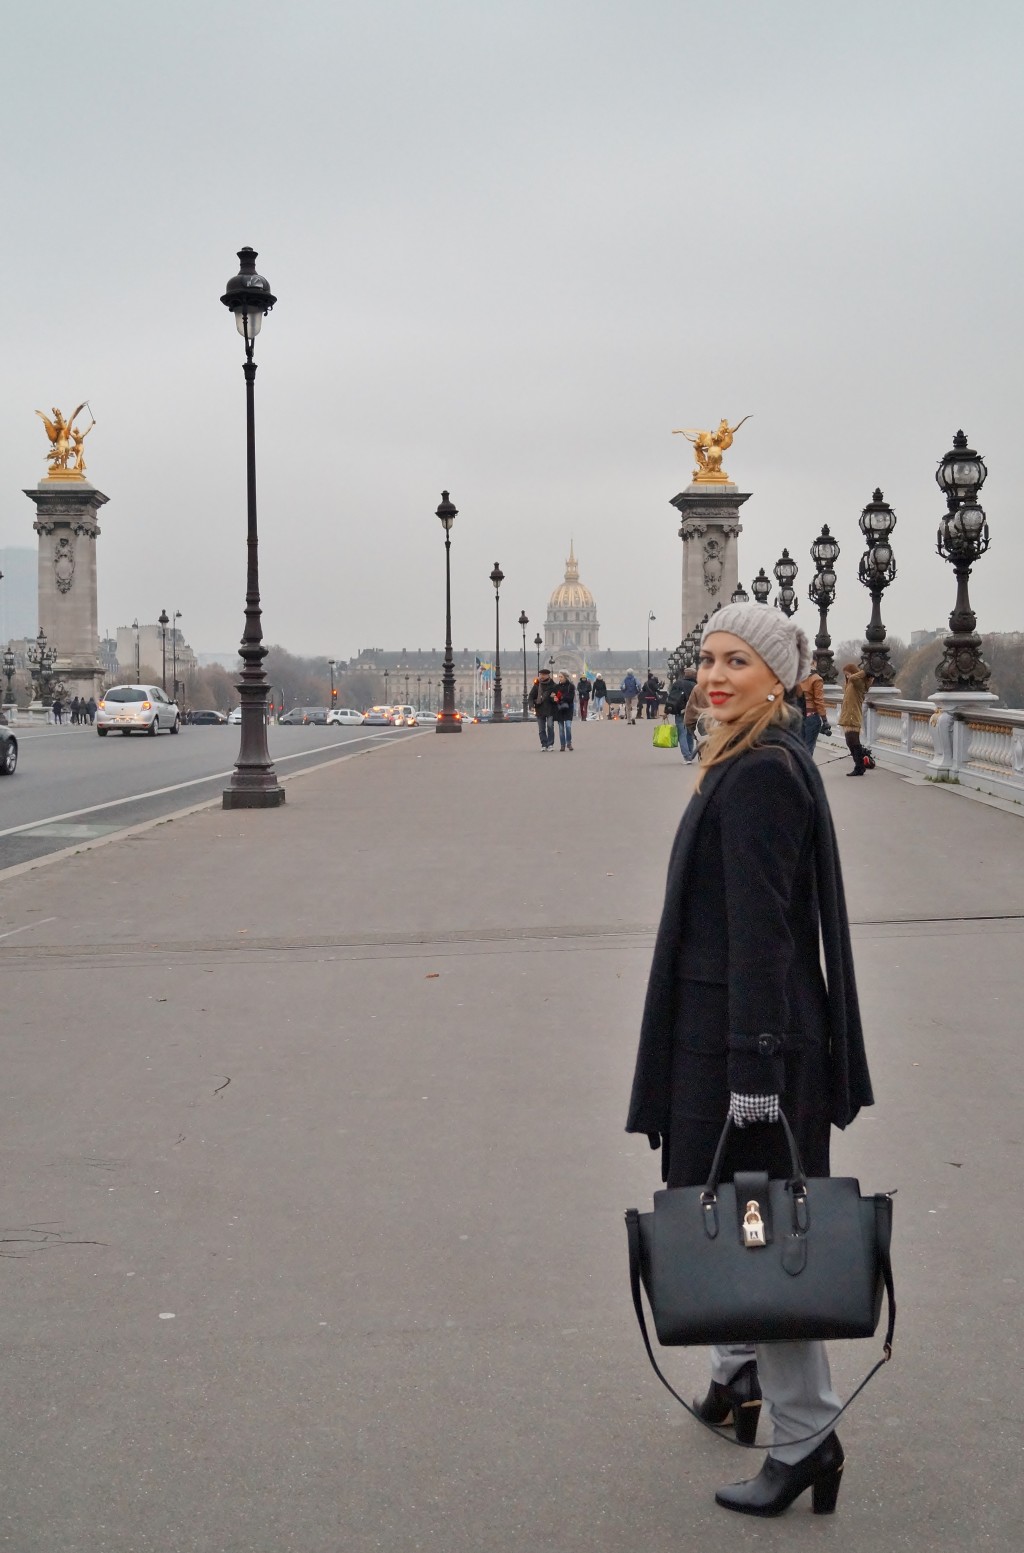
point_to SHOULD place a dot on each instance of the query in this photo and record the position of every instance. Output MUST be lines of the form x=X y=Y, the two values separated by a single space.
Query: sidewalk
x=315 y=1171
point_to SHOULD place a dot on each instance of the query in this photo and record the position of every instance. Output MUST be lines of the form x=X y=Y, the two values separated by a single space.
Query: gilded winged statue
x=709 y=447
x=66 y=457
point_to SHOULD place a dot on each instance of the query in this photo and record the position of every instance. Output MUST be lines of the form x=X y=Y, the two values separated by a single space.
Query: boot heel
x=745 y=1418
x=825 y=1492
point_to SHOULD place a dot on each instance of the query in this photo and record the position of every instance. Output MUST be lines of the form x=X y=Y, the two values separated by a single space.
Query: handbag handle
x=883 y=1222
x=798 y=1175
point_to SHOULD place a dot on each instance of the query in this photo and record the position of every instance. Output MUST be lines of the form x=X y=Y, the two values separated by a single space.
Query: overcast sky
x=514 y=244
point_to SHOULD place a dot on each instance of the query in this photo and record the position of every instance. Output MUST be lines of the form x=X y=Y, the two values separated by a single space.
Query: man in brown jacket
x=812 y=689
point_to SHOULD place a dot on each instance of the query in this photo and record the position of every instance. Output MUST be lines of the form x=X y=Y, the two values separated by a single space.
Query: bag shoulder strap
x=883 y=1221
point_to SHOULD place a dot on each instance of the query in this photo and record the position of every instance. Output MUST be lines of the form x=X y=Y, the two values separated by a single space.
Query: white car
x=136 y=709
x=403 y=716
x=343 y=716
x=235 y=716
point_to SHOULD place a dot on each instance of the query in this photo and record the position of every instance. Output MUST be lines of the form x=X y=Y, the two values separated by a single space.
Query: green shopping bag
x=666 y=737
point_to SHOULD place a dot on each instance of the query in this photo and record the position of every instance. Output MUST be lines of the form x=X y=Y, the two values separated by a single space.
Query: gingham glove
x=745 y=1109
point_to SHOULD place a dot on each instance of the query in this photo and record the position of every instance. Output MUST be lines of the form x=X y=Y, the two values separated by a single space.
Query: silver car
x=136 y=709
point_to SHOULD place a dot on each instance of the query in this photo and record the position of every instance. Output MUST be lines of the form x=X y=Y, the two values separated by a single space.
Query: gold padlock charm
x=753 y=1226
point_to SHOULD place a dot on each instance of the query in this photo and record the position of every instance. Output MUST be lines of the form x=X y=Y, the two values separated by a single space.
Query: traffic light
x=334 y=695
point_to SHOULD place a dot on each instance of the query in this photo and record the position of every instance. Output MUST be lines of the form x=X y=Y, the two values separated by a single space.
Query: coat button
x=767 y=1045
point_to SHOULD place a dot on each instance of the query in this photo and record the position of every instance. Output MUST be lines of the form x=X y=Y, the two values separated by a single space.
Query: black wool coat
x=737 y=999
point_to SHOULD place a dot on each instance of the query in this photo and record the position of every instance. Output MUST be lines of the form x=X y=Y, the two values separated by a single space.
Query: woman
x=565 y=695
x=851 y=717
x=738 y=1020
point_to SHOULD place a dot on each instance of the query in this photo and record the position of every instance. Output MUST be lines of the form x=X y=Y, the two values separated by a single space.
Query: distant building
x=143 y=648
x=571 y=628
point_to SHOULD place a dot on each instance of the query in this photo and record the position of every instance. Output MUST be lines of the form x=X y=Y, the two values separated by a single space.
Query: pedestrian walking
x=565 y=696
x=851 y=717
x=542 y=699
x=650 y=695
x=740 y=1022
x=676 y=698
x=810 y=694
x=583 y=695
x=697 y=703
x=630 y=688
x=90 y=707
x=600 y=697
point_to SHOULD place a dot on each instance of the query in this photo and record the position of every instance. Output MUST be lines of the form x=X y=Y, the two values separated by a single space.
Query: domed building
x=571 y=627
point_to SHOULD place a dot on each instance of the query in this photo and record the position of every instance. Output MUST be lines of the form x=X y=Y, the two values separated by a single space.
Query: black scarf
x=850 y=1081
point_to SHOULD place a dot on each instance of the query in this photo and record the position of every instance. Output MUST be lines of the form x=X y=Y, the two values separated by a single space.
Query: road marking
x=28 y=927
x=177 y=787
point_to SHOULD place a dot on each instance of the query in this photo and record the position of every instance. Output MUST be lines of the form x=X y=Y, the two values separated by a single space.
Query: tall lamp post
x=419 y=694
x=330 y=664
x=497 y=710
x=538 y=642
x=176 y=616
x=9 y=669
x=785 y=570
x=524 y=621
x=387 y=674
x=138 y=666
x=253 y=783
x=876 y=571
x=163 y=621
x=963 y=539
x=822 y=594
x=650 y=616
x=447 y=719
x=761 y=587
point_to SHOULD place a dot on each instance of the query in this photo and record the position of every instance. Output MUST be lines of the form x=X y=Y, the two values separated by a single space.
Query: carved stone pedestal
x=709 y=530
x=66 y=522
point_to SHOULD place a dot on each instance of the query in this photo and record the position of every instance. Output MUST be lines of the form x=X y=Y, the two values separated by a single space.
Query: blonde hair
x=727 y=740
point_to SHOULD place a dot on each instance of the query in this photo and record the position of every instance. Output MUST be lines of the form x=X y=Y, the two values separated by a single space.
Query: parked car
x=136 y=709
x=341 y=716
x=206 y=718
x=8 y=749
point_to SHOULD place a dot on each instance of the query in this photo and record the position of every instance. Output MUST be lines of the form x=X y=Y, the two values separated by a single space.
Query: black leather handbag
x=758 y=1261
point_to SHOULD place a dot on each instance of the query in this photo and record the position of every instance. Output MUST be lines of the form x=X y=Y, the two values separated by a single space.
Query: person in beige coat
x=812 y=690
x=851 y=717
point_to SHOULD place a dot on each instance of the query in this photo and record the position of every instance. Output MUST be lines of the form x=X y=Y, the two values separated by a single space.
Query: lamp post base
x=244 y=797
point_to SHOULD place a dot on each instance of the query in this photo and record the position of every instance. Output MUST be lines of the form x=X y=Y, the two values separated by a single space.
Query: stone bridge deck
x=315 y=1171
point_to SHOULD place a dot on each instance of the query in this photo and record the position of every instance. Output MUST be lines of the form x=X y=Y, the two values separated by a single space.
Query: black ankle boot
x=737 y=1403
x=777 y=1485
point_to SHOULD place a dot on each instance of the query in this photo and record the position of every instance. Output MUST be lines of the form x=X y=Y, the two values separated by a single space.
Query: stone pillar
x=709 y=531
x=66 y=522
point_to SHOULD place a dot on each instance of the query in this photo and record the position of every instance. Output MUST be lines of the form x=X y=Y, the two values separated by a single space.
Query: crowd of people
x=556 y=700
x=78 y=710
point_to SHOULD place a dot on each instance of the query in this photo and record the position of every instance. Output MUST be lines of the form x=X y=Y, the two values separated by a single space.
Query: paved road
x=314 y=1171
x=71 y=786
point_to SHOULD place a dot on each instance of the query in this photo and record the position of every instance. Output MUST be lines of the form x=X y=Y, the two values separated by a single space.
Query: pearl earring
x=771 y=697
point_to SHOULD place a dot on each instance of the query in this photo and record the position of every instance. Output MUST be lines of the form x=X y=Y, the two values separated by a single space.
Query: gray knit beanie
x=779 y=641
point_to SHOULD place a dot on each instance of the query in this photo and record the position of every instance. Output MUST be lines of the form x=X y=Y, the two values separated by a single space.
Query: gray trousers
x=796 y=1388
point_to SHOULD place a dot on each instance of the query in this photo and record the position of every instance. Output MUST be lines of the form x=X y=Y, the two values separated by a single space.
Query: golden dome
x=571 y=594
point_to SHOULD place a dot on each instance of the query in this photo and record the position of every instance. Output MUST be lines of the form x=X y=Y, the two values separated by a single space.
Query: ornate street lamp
x=650 y=616
x=497 y=710
x=963 y=539
x=524 y=622
x=740 y=595
x=538 y=642
x=163 y=621
x=761 y=587
x=253 y=783
x=9 y=671
x=419 y=700
x=138 y=666
x=41 y=658
x=822 y=594
x=785 y=570
x=876 y=571
x=387 y=675
x=447 y=720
